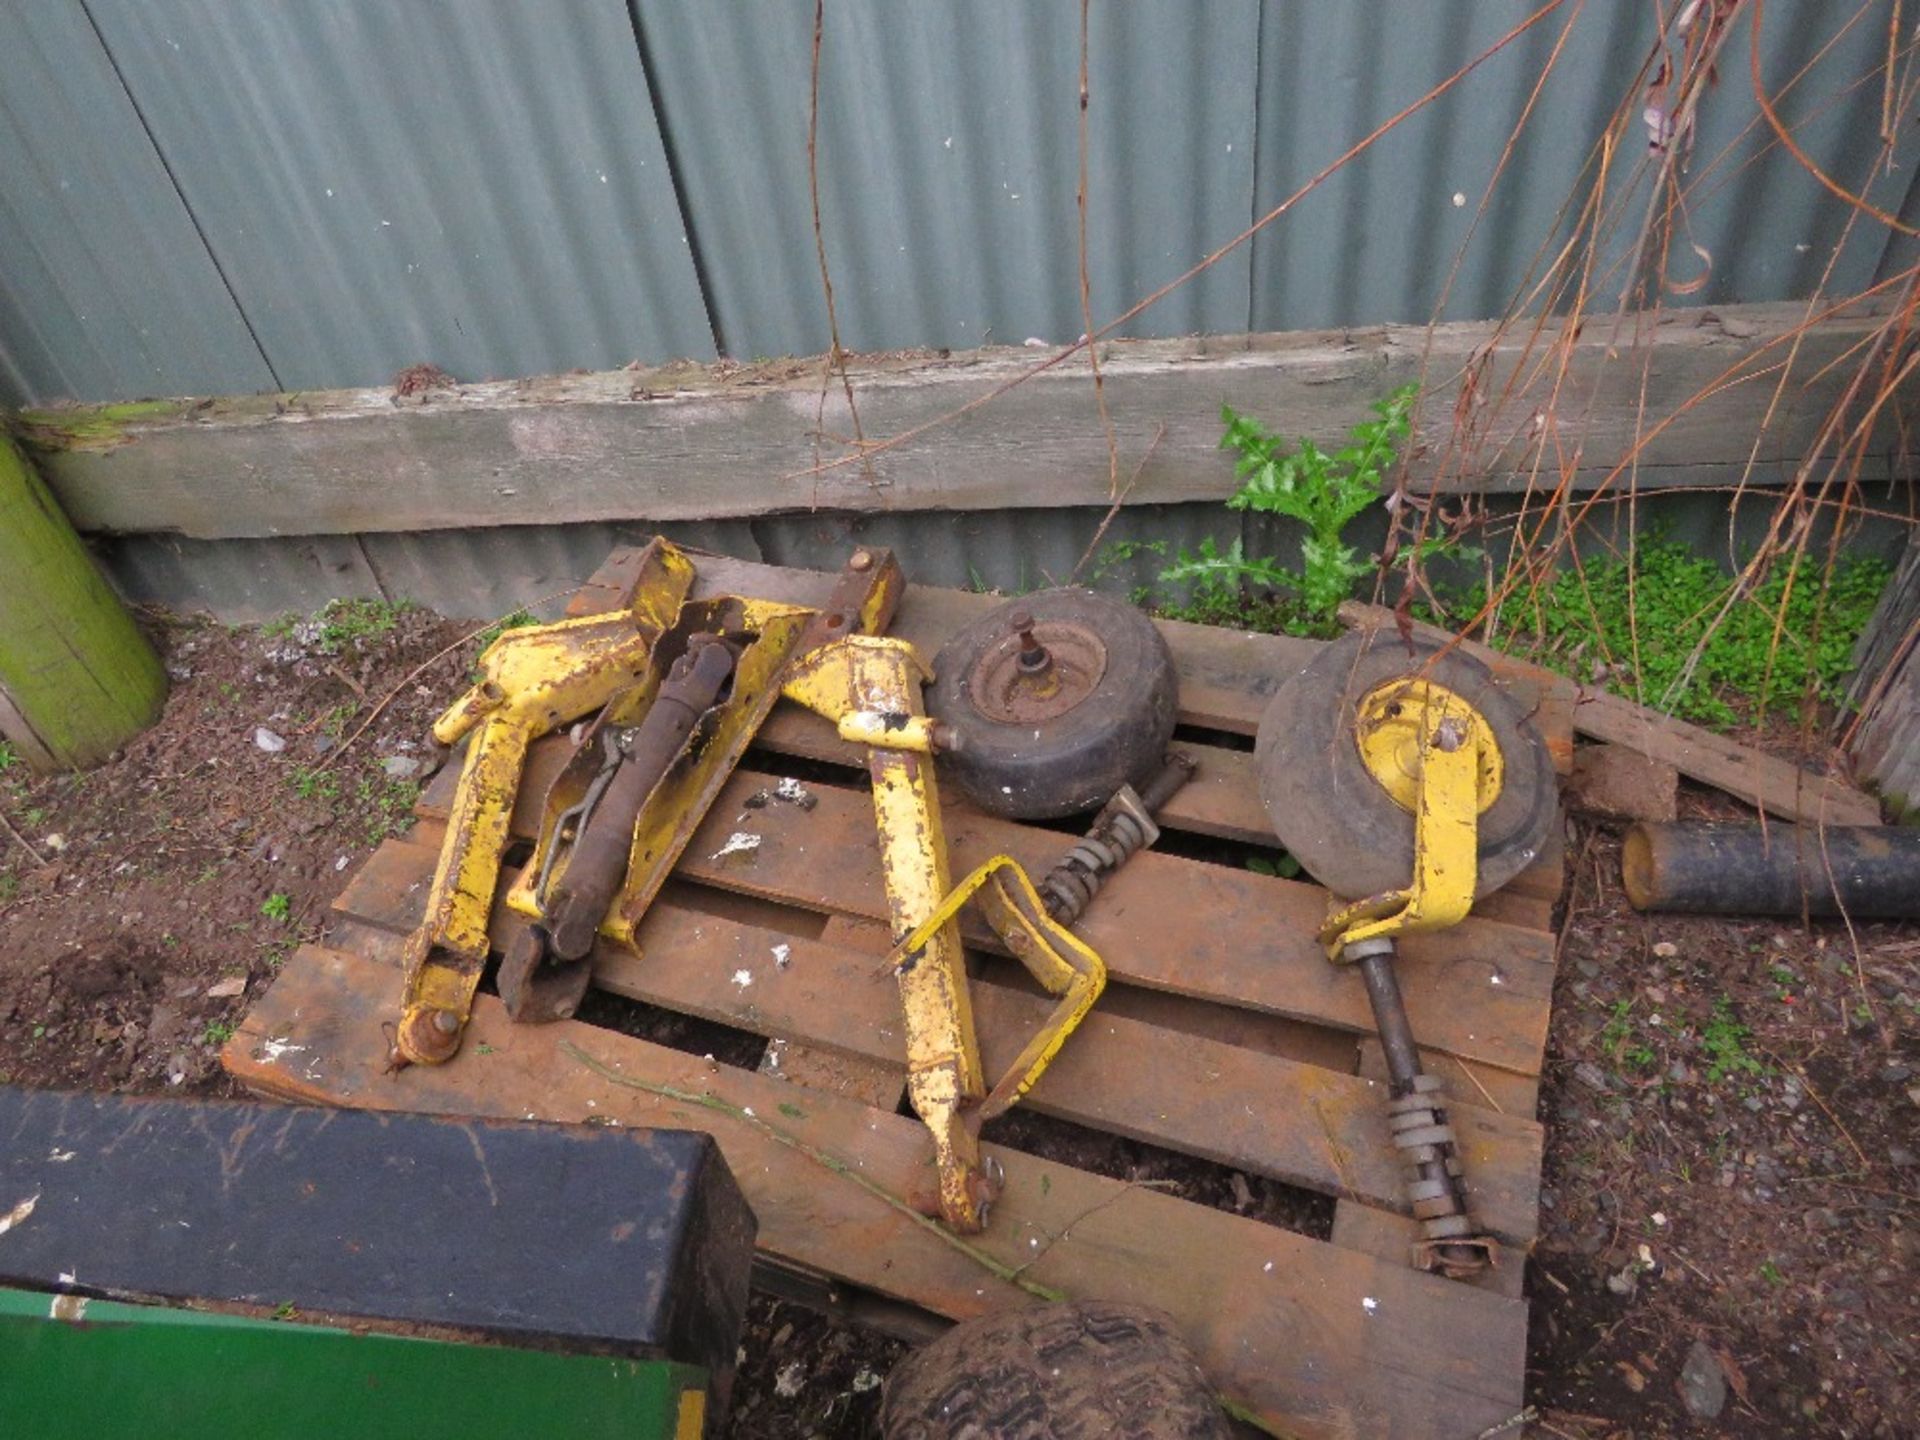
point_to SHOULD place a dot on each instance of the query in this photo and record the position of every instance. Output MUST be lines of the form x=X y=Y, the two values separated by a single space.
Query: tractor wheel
x=1058 y=699
x=1071 y=1371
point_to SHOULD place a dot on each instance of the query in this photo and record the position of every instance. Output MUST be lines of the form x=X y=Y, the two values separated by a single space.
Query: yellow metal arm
x=532 y=680
x=1437 y=756
x=1066 y=965
x=870 y=688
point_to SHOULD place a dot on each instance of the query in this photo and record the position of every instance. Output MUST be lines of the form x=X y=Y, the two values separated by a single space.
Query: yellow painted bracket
x=871 y=687
x=1436 y=755
x=532 y=680
x=766 y=634
x=1062 y=962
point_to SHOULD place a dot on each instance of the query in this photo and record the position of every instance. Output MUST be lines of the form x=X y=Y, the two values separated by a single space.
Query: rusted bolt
x=944 y=739
x=861 y=561
x=1450 y=735
x=445 y=1021
x=1033 y=657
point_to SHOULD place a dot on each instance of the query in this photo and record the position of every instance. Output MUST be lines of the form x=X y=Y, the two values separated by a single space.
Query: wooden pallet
x=1225 y=1035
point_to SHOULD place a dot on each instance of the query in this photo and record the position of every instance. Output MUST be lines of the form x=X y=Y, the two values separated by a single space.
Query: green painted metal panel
x=90 y=1368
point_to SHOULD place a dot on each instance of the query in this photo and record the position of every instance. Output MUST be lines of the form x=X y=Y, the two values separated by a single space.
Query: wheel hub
x=1387 y=728
x=1038 y=672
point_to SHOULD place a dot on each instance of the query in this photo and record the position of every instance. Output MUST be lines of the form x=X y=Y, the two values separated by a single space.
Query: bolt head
x=445 y=1021
x=862 y=561
x=1021 y=619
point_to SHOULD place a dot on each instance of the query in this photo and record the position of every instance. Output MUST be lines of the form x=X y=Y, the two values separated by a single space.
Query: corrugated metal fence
x=206 y=196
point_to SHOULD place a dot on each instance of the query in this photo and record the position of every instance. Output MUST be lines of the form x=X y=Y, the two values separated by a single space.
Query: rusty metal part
x=1417 y=1120
x=1039 y=672
x=599 y=859
x=1123 y=826
x=545 y=973
x=766 y=638
x=533 y=679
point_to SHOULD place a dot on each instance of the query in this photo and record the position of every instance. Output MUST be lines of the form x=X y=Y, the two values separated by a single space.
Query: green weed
x=9 y=757
x=345 y=623
x=1284 y=866
x=218 y=1032
x=1770 y=1273
x=388 y=805
x=9 y=887
x=1324 y=492
x=1614 y=1034
x=278 y=906
x=311 y=784
x=1724 y=1043
x=1645 y=618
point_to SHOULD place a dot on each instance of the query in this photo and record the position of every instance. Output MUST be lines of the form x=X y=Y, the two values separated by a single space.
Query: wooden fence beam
x=687 y=441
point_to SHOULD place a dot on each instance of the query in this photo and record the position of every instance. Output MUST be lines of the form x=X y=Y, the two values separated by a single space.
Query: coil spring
x=1071 y=885
x=1426 y=1141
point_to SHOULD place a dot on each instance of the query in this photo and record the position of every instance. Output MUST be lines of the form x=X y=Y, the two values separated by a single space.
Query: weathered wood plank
x=1319 y=1340
x=1479 y=990
x=691 y=442
x=1300 y=1124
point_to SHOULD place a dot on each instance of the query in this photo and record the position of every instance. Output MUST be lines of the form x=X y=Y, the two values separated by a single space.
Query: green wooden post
x=77 y=678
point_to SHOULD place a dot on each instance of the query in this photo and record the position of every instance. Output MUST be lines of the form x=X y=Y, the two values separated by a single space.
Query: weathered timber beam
x=689 y=441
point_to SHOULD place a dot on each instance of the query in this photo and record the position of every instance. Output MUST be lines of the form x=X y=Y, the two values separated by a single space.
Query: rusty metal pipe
x=1737 y=868
x=578 y=901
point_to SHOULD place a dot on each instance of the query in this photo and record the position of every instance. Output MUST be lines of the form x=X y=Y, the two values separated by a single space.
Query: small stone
x=1703 y=1384
x=1895 y=1073
x=322 y=744
x=1590 y=1075
x=1624 y=1281
x=1821 y=1217
x=1754 y=1103
x=1679 y=1073
x=1588 y=968
x=1901 y=1158
x=400 y=767
x=227 y=989
x=268 y=741
x=791 y=1378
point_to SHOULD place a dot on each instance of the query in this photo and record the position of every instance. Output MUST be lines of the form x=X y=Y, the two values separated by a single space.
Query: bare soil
x=1731 y=1107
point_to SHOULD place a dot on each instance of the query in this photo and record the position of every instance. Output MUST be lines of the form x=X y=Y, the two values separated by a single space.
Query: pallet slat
x=1319 y=1340
x=1292 y=1122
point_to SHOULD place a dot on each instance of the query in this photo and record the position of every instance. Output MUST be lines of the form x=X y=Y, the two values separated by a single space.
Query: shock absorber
x=1125 y=824
x=1417 y=1121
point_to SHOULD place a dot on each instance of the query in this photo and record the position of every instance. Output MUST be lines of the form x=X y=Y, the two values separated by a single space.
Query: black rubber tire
x=1334 y=817
x=1072 y=1371
x=1074 y=761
